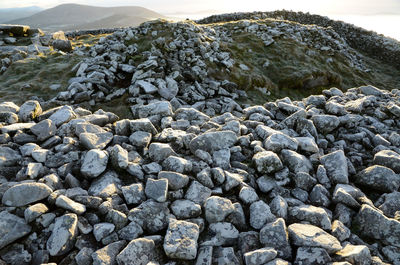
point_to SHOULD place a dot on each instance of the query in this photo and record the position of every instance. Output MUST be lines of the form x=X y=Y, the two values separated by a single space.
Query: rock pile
x=304 y=182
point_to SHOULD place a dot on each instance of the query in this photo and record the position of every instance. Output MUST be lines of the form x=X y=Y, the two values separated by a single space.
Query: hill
x=77 y=17
x=8 y=14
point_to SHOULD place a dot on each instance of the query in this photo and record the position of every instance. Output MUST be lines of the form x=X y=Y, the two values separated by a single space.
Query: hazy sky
x=186 y=6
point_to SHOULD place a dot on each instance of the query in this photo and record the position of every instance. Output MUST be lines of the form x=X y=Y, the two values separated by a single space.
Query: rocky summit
x=195 y=174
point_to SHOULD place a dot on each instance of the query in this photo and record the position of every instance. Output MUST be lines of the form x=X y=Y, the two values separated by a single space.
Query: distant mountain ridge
x=7 y=14
x=78 y=17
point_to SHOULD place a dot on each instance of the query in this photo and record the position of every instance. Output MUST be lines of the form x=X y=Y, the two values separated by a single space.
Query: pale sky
x=324 y=7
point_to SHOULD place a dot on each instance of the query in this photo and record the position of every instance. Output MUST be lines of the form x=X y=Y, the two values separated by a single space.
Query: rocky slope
x=190 y=170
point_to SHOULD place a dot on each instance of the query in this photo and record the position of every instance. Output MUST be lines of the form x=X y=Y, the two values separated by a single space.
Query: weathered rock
x=157 y=189
x=213 y=141
x=181 y=240
x=312 y=255
x=217 y=208
x=184 y=209
x=388 y=158
x=275 y=235
x=70 y=205
x=296 y=162
x=260 y=256
x=336 y=166
x=159 y=152
x=134 y=193
x=29 y=111
x=63 y=237
x=12 y=228
x=8 y=156
x=304 y=235
x=325 y=123
x=95 y=141
x=108 y=254
x=150 y=215
x=267 y=162
x=94 y=163
x=44 y=129
x=379 y=178
x=139 y=251
x=311 y=214
x=358 y=255
x=16 y=195
x=197 y=193
x=260 y=214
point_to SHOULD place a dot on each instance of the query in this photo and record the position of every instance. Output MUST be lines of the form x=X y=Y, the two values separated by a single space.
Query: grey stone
x=197 y=193
x=150 y=215
x=379 y=178
x=213 y=141
x=84 y=256
x=8 y=117
x=184 y=209
x=314 y=215
x=312 y=255
x=12 y=228
x=29 y=111
x=224 y=234
x=63 y=115
x=177 y=164
x=392 y=254
x=304 y=181
x=388 y=158
x=143 y=125
x=340 y=231
x=134 y=193
x=95 y=141
x=335 y=164
x=222 y=158
x=34 y=211
x=325 y=123
x=358 y=255
x=168 y=89
x=16 y=195
x=372 y=223
x=70 y=205
x=63 y=236
x=217 y=208
x=140 y=139
x=275 y=235
x=307 y=144
x=204 y=256
x=119 y=157
x=102 y=230
x=130 y=232
x=305 y=235
x=94 y=163
x=279 y=141
x=160 y=108
x=105 y=186
x=259 y=256
x=248 y=195
x=8 y=106
x=108 y=254
x=176 y=180
x=159 y=152
x=260 y=214
x=157 y=189
x=279 y=207
x=180 y=241
x=267 y=162
x=62 y=45
x=147 y=87
x=139 y=251
x=8 y=156
x=296 y=162
x=194 y=116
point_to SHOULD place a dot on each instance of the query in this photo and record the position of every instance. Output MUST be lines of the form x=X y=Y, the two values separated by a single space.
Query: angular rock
x=181 y=240
x=159 y=152
x=296 y=162
x=197 y=193
x=267 y=162
x=275 y=235
x=95 y=140
x=325 y=123
x=134 y=193
x=217 y=208
x=312 y=255
x=29 y=111
x=379 y=178
x=139 y=251
x=314 y=215
x=94 y=163
x=335 y=164
x=176 y=181
x=260 y=256
x=388 y=158
x=44 y=130
x=157 y=189
x=213 y=141
x=150 y=215
x=70 y=205
x=63 y=236
x=358 y=255
x=184 y=209
x=12 y=228
x=8 y=156
x=108 y=254
x=260 y=214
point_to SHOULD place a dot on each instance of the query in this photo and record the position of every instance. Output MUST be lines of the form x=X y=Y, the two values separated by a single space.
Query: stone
x=314 y=215
x=8 y=106
x=267 y=162
x=185 y=209
x=335 y=164
x=296 y=162
x=108 y=254
x=140 y=139
x=119 y=157
x=275 y=235
x=312 y=255
x=157 y=189
x=142 y=125
x=12 y=228
x=176 y=180
x=130 y=232
x=160 y=108
x=134 y=193
x=325 y=123
x=62 y=45
x=204 y=256
x=94 y=163
x=224 y=234
x=34 y=211
x=307 y=144
x=372 y=223
x=392 y=254
x=217 y=208
x=279 y=207
x=197 y=193
x=388 y=158
x=8 y=117
x=8 y=156
x=29 y=111
x=180 y=241
x=159 y=152
x=279 y=141
x=305 y=235
x=260 y=256
x=84 y=256
x=177 y=164
x=340 y=231
x=62 y=115
x=169 y=89
x=358 y=255
x=105 y=186
x=139 y=251
x=70 y=205
x=225 y=256
x=62 y=238
x=15 y=196
x=213 y=141
x=248 y=195
x=95 y=141
x=102 y=230
x=150 y=215
x=260 y=214
x=304 y=181
x=147 y=87
x=379 y=178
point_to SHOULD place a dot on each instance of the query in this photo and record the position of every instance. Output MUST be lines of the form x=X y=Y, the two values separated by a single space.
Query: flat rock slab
x=304 y=235
x=15 y=30
x=95 y=141
x=213 y=141
x=12 y=228
x=16 y=196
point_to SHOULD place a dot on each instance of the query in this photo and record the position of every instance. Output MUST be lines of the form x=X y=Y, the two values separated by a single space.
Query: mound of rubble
x=290 y=182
